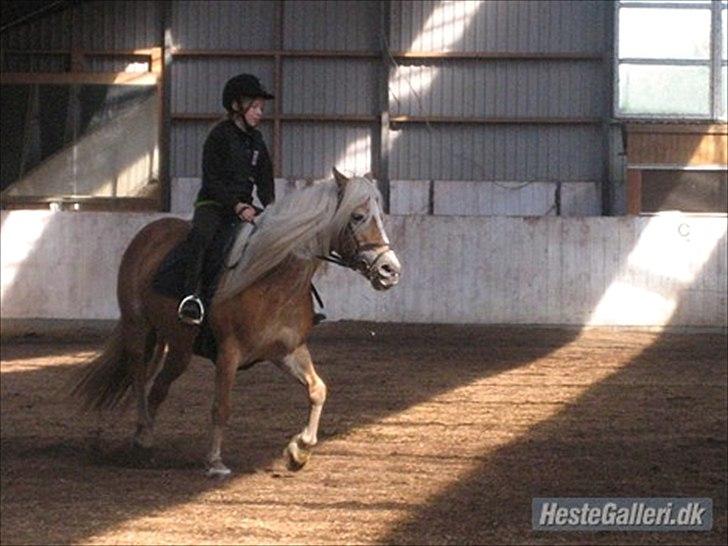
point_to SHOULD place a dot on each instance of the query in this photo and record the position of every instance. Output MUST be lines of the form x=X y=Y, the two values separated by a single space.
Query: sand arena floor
x=431 y=434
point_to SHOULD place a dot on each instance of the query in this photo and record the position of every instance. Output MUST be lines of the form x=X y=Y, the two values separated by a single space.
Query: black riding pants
x=206 y=223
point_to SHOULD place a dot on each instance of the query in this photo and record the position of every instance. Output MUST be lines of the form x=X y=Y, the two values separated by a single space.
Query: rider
x=234 y=159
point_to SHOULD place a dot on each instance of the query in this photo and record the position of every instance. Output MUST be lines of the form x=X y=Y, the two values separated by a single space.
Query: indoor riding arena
x=523 y=335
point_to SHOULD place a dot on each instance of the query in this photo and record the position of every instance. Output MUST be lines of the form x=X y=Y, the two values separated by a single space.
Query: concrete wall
x=453 y=197
x=660 y=270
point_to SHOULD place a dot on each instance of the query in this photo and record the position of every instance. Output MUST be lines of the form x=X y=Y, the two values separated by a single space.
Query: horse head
x=362 y=242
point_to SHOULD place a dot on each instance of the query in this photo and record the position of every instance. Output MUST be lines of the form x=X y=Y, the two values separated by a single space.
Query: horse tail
x=105 y=380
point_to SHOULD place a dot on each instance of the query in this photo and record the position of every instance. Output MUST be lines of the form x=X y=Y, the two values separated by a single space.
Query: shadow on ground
x=656 y=428
x=67 y=478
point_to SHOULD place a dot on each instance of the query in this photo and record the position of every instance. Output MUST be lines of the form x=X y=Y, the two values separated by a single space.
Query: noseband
x=356 y=261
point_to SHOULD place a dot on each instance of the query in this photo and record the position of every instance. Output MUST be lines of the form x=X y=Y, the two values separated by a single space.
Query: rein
x=355 y=262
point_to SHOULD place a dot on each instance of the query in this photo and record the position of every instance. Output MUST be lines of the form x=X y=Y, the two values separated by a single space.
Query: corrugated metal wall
x=444 y=87
x=223 y=24
x=499 y=88
x=497 y=153
x=576 y=88
x=518 y=26
x=92 y=26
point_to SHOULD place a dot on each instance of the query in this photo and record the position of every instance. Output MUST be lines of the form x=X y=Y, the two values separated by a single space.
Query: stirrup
x=190 y=320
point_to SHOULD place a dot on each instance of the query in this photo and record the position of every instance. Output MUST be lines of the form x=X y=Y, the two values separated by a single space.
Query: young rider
x=234 y=160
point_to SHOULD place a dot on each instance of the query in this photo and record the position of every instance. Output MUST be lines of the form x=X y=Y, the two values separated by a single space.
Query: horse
x=262 y=310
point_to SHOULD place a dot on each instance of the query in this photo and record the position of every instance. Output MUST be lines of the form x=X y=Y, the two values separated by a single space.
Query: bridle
x=356 y=261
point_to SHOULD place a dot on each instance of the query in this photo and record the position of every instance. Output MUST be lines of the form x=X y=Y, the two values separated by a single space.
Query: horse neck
x=292 y=276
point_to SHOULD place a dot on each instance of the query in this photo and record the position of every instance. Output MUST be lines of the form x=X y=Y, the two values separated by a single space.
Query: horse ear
x=340 y=178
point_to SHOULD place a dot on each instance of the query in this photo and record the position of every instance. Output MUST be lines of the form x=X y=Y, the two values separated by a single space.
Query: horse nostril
x=387 y=269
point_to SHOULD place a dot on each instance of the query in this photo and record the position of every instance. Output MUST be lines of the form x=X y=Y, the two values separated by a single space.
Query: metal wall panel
x=495 y=25
x=197 y=83
x=186 y=143
x=497 y=152
x=99 y=25
x=330 y=86
x=342 y=25
x=35 y=63
x=187 y=139
x=312 y=149
x=467 y=88
x=223 y=24
x=117 y=25
x=500 y=89
x=54 y=31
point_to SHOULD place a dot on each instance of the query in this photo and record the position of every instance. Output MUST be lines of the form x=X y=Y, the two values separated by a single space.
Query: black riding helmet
x=242 y=85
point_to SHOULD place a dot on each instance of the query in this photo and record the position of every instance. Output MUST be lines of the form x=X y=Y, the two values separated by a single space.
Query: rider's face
x=254 y=113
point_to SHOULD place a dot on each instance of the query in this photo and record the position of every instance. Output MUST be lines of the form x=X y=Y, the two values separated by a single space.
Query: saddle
x=225 y=251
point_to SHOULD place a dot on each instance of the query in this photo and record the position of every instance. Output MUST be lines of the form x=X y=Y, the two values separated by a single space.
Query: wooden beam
x=81 y=203
x=324 y=118
x=495 y=120
x=412 y=55
x=358 y=118
x=273 y=52
x=353 y=54
x=69 y=78
x=689 y=148
x=497 y=55
x=699 y=128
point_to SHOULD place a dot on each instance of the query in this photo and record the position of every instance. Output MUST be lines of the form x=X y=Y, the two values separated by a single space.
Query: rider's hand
x=245 y=212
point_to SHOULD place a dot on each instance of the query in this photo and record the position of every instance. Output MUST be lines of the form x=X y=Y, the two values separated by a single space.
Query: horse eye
x=357 y=217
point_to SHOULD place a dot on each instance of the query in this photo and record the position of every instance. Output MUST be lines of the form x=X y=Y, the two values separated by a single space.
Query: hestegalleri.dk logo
x=622 y=514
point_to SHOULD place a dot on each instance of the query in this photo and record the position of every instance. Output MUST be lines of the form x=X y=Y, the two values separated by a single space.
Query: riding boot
x=191 y=310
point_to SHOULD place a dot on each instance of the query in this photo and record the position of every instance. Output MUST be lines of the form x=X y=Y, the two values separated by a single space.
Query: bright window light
x=670 y=57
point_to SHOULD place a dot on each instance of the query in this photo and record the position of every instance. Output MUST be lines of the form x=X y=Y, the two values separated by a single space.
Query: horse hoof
x=297 y=454
x=217 y=469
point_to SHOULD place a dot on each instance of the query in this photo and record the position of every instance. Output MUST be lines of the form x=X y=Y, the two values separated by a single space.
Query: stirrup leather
x=188 y=320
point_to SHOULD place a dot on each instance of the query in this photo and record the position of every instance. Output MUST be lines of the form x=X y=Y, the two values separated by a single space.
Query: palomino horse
x=262 y=310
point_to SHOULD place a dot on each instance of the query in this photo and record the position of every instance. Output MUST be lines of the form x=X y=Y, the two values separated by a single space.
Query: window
x=670 y=59
x=82 y=139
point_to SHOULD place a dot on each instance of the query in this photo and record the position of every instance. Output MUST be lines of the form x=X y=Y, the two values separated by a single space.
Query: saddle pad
x=170 y=278
x=239 y=244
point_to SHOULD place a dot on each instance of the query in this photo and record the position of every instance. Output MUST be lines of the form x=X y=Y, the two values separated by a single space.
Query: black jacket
x=233 y=161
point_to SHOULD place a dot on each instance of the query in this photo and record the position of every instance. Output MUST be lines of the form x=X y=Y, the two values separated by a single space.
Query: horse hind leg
x=147 y=360
x=175 y=364
x=300 y=366
x=226 y=366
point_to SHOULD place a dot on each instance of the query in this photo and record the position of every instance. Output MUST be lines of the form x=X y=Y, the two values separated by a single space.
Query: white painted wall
x=544 y=270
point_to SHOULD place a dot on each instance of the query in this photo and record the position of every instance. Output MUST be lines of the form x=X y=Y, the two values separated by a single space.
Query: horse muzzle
x=384 y=271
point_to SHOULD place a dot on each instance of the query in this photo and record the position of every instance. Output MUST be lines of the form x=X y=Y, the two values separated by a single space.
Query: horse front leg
x=299 y=365
x=225 y=369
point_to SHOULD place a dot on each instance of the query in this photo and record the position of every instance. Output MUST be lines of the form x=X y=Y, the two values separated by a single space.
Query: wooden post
x=381 y=145
x=634 y=191
x=278 y=90
x=161 y=61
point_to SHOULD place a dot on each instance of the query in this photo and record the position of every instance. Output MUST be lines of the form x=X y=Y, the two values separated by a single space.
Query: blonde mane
x=303 y=224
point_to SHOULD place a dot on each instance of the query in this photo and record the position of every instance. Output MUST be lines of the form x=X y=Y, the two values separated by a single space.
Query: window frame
x=77 y=73
x=717 y=110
